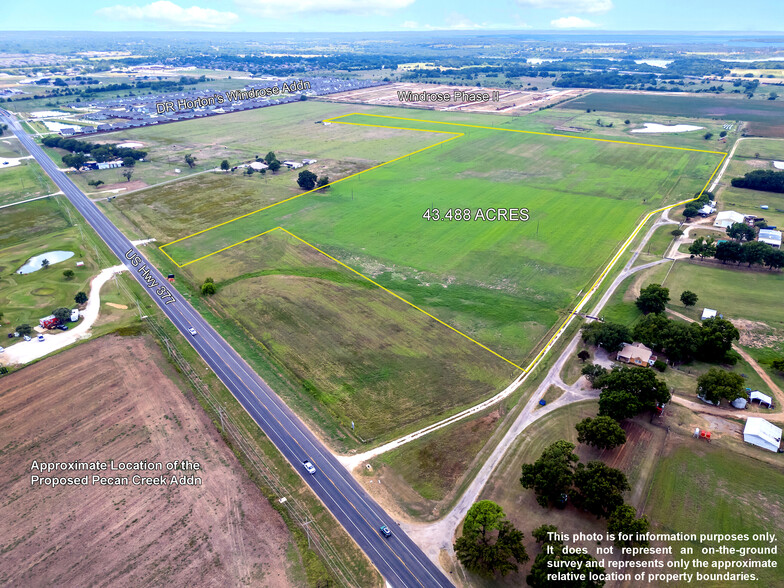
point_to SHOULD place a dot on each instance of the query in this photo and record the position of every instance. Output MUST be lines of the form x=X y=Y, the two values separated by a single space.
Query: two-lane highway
x=399 y=560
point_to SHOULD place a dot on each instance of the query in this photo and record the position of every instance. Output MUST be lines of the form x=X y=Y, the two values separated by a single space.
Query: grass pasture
x=744 y=497
x=386 y=367
x=727 y=109
x=36 y=227
x=23 y=181
x=504 y=284
x=292 y=133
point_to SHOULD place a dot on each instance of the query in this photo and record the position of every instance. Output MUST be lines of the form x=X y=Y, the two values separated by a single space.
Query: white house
x=258 y=165
x=727 y=218
x=292 y=164
x=110 y=164
x=761 y=433
x=309 y=161
x=771 y=237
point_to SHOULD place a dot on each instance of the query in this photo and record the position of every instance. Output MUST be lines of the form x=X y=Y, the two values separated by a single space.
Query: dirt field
x=117 y=399
x=509 y=101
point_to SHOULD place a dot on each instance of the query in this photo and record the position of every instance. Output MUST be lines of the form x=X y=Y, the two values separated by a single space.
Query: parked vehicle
x=40 y=338
x=26 y=338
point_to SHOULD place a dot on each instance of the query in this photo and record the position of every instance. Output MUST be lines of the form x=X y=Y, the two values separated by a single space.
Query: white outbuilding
x=708 y=313
x=763 y=434
x=771 y=237
x=728 y=218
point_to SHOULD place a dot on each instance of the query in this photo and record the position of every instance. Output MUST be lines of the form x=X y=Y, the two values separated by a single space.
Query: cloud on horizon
x=168 y=13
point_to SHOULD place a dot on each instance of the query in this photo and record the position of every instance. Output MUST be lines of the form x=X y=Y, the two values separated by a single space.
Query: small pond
x=34 y=263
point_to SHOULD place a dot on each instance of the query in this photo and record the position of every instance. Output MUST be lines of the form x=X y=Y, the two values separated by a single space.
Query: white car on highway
x=309 y=467
x=192 y=331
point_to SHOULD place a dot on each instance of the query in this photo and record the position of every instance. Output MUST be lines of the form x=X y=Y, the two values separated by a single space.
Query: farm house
x=761 y=433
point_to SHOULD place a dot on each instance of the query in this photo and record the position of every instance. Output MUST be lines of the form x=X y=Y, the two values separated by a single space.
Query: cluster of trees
x=626 y=391
x=750 y=252
x=653 y=299
x=558 y=474
x=595 y=486
x=692 y=209
x=490 y=545
x=552 y=551
x=208 y=288
x=717 y=384
x=97 y=151
x=761 y=179
x=710 y=341
x=272 y=161
x=307 y=180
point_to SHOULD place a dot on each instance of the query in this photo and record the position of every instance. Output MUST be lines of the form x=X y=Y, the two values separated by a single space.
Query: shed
x=762 y=398
x=727 y=218
x=771 y=237
x=761 y=433
x=708 y=313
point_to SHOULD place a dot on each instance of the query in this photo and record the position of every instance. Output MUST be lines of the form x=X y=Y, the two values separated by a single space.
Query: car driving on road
x=385 y=531
x=192 y=331
x=309 y=466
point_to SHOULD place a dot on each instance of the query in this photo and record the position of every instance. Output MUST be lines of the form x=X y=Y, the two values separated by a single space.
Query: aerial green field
x=290 y=131
x=20 y=182
x=386 y=367
x=30 y=229
x=728 y=109
x=737 y=486
x=505 y=283
x=754 y=154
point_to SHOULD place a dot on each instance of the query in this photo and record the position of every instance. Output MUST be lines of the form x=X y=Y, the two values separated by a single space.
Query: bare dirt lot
x=509 y=101
x=116 y=398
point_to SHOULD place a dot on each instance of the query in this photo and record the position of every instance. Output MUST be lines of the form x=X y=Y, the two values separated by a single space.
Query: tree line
x=765 y=180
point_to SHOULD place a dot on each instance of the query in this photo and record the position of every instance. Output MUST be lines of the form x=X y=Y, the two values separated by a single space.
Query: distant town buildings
x=141 y=111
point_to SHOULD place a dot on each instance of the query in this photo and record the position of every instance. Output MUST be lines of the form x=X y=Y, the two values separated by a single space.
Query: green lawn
x=290 y=131
x=24 y=181
x=361 y=354
x=701 y=488
x=724 y=108
x=36 y=227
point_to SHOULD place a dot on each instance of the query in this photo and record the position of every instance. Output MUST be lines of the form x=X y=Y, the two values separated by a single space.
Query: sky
x=395 y=15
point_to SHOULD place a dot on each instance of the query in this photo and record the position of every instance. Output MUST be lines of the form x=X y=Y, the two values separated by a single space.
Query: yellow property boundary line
x=456 y=135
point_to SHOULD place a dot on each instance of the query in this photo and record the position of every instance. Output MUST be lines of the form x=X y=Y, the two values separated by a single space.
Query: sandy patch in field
x=757 y=335
x=115 y=305
x=6 y=162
